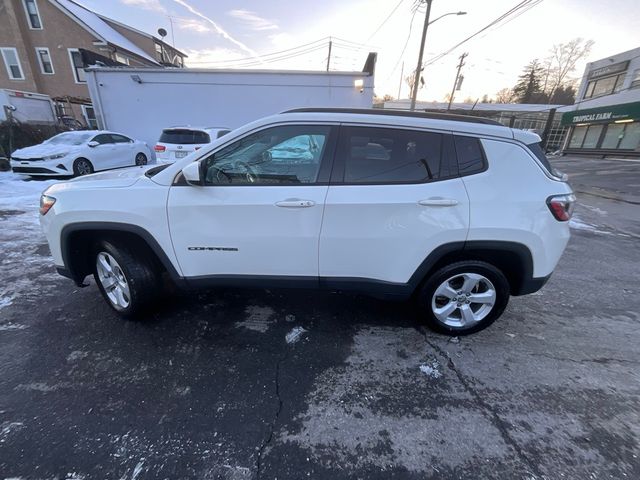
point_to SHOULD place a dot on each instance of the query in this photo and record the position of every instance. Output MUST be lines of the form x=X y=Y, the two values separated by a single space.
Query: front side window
x=385 y=155
x=12 y=63
x=44 y=59
x=77 y=65
x=33 y=16
x=284 y=155
x=470 y=155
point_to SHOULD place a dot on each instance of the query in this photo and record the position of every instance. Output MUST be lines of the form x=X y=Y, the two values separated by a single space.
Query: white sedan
x=81 y=153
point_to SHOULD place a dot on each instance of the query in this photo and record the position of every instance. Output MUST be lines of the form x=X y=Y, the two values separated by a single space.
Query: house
x=45 y=45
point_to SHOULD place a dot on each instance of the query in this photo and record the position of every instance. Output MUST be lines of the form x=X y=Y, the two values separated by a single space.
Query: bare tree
x=505 y=95
x=562 y=62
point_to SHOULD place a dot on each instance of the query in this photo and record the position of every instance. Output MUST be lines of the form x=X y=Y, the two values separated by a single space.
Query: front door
x=395 y=196
x=103 y=155
x=260 y=211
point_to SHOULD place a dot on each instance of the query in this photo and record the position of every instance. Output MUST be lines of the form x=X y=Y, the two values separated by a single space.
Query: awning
x=608 y=114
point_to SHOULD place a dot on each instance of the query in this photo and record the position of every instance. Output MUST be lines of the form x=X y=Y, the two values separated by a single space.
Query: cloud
x=193 y=25
x=210 y=57
x=219 y=29
x=252 y=20
x=153 y=5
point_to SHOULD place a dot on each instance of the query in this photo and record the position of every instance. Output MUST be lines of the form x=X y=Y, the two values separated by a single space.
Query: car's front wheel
x=82 y=166
x=463 y=297
x=141 y=159
x=128 y=280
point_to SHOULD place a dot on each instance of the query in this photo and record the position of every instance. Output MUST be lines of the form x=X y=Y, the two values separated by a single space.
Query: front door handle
x=438 y=202
x=295 y=203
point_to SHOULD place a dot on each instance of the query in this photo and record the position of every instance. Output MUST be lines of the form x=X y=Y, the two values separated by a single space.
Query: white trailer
x=140 y=102
x=27 y=107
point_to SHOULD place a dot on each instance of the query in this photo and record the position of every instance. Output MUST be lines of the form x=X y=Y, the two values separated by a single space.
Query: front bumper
x=51 y=168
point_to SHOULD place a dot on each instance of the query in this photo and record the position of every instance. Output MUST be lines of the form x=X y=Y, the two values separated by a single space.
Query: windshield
x=70 y=138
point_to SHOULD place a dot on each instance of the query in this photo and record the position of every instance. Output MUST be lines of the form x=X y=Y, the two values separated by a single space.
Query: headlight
x=46 y=202
x=56 y=156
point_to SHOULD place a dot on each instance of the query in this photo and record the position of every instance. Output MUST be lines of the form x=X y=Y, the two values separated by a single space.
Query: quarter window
x=77 y=65
x=285 y=155
x=470 y=155
x=384 y=155
x=33 y=16
x=44 y=59
x=12 y=63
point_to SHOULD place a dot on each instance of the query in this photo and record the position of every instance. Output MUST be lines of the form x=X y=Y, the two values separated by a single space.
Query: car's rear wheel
x=141 y=159
x=127 y=279
x=82 y=166
x=463 y=297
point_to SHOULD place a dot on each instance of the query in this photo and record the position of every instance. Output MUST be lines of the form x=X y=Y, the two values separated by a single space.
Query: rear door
x=394 y=197
x=260 y=211
x=124 y=150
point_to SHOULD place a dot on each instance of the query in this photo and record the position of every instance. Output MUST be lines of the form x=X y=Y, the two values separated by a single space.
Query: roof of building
x=92 y=22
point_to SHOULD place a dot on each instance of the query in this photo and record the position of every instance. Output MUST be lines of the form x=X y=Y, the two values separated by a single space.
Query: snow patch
x=137 y=470
x=431 y=369
x=76 y=355
x=7 y=428
x=11 y=326
x=294 y=335
x=258 y=318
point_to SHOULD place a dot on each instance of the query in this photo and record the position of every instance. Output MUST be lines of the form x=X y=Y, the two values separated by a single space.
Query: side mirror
x=93 y=144
x=192 y=174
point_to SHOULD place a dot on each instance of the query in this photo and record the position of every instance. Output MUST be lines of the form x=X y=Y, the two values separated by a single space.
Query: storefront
x=609 y=130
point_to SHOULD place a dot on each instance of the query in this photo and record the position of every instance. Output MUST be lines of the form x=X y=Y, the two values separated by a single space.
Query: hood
x=43 y=150
x=120 y=178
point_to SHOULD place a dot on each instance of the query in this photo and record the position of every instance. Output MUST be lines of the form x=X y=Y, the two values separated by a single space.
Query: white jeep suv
x=456 y=213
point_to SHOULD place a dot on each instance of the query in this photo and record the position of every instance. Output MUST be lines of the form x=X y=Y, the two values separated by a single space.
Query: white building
x=605 y=120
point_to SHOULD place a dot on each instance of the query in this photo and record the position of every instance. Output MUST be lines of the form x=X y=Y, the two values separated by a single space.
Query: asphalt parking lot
x=235 y=384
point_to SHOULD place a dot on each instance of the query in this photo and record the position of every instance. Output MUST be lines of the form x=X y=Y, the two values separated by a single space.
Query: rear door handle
x=438 y=202
x=295 y=203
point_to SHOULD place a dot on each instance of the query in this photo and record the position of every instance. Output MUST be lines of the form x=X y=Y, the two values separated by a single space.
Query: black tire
x=82 y=166
x=141 y=159
x=425 y=296
x=142 y=276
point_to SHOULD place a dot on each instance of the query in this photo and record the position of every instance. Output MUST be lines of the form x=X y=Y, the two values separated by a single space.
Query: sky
x=213 y=33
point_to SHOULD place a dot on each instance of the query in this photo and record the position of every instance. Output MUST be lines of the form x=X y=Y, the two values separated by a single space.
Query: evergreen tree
x=529 y=86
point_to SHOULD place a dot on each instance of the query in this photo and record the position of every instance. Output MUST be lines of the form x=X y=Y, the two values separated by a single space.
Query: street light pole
x=416 y=81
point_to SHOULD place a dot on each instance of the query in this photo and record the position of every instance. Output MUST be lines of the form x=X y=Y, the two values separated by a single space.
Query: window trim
x=53 y=70
x=86 y=117
x=485 y=161
x=6 y=63
x=73 y=66
x=448 y=154
x=26 y=12
x=324 y=170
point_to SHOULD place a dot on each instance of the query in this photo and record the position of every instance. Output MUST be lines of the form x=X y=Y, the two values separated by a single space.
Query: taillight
x=46 y=202
x=561 y=206
x=159 y=148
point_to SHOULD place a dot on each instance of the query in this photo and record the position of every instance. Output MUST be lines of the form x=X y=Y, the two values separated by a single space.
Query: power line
x=270 y=59
x=525 y=3
x=405 y=44
x=384 y=21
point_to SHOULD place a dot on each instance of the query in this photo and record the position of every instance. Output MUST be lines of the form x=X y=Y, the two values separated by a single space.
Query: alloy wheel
x=463 y=300
x=113 y=280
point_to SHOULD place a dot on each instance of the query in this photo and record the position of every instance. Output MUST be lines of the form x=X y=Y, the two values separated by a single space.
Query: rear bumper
x=531 y=285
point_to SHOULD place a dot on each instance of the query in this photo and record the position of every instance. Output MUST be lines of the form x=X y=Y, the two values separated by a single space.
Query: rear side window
x=120 y=138
x=222 y=133
x=184 y=136
x=471 y=158
x=383 y=155
x=537 y=151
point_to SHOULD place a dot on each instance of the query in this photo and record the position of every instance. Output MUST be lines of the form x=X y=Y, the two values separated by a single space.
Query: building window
x=33 y=15
x=159 y=52
x=12 y=63
x=631 y=136
x=578 y=136
x=122 y=59
x=77 y=65
x=90 y=116
x=604 y=86
x=613 y=135
x=592 y=136
x=44 y=59
x=61 y=109
x=635 y=79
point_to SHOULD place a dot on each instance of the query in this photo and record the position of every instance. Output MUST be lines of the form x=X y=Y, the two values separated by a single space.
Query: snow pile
x=431 y=369
x=294 y=335
x=24 y=255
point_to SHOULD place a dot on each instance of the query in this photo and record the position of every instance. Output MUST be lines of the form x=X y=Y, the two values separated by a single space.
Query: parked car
x=456 y=213
x=80 y=153
x=178 y=142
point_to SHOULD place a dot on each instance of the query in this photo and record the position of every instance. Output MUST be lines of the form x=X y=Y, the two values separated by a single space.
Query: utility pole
x=401 y=74
x=329 y=56
x=455 y=83
x=416 y=82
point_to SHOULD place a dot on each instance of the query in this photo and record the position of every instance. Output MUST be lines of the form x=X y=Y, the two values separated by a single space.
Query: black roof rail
x=398 y=113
